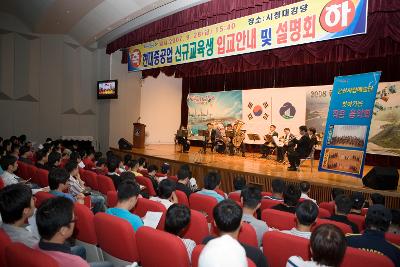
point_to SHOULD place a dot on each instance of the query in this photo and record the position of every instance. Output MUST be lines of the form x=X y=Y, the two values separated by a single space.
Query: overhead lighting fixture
x=67 y=11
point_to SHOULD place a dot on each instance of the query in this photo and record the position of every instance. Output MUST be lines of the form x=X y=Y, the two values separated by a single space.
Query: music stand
x=229 y=134
x=254 y=137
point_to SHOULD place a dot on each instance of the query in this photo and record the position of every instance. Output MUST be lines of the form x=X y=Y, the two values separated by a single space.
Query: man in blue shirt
x=58 y=183
x=212 y=182
x=128 y=192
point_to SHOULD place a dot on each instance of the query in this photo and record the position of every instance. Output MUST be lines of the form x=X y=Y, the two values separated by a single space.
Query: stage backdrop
x=259 y=108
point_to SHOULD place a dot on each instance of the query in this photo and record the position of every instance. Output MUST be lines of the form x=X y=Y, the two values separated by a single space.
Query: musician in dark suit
x=283 y=149
x=313 y=137
x=302 y=150
x=270 y=143
x=210 y=137
x=182 y=139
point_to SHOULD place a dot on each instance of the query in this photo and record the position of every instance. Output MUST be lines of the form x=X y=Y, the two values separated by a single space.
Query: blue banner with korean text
x=348 y=122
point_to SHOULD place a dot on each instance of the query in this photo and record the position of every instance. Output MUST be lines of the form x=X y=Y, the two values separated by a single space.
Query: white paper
x=152 y=219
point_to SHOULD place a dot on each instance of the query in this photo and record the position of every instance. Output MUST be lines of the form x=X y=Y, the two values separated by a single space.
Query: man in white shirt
x=306 y=214
x=251 y=200
x=9 y=165
x=305 y=190
x=166 y=193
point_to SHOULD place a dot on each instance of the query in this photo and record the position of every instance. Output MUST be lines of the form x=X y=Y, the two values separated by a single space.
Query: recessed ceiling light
x=58 y=23
x=95 y=37
x=67 y=11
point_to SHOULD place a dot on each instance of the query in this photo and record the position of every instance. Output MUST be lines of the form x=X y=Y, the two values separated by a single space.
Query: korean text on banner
x=348 y=123
x=299 y=23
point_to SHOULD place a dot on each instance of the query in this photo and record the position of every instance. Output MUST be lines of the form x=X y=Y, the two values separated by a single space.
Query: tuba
x=238 y=134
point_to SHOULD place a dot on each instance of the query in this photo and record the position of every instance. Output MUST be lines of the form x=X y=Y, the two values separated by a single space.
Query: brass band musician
x=271 y=140
x=209 y=138
x=283 y=148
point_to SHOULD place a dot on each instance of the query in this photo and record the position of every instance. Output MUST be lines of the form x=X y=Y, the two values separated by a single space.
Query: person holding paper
x=128 y=192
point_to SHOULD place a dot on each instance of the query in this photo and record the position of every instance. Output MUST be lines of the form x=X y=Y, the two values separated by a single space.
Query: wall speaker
x=124 y=144
x=382 y=178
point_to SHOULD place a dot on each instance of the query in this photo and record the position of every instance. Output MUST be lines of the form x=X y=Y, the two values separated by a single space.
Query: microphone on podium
x=138 y=119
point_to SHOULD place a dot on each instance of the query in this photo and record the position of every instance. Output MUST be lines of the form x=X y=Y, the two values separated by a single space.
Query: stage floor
x=252 y=164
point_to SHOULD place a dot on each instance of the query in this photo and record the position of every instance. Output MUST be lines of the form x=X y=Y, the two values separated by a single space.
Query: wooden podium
x=138 y=135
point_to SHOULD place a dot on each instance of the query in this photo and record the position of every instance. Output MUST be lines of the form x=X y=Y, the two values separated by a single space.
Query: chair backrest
x=105 y=184
x=330 y=206
x=4 y=242
x=144 y=205
x=250 y=263
x=393 y=238
x=268 y=203
x=323 y=213
x=22 y=170
x=182 y=198
x=359 y=257
x=91 y=179
x=220 y=192
x=364 y=211
x=41 y=177
x=31 y=170
x=247 y=235
x=279 y=247
x=112 y=199
x=173 y=178
x=204 y=204
x=41 y=197
x=145 y=181
x=266 y=194
x=234 y=196
x=1 y=183
x=18 y=254
x=357 y=219
x=84 y=226
x=344 y=227
x=198 y=227
x=170 y=249
x=116 y=237
x=279 y=219
x=196 y=255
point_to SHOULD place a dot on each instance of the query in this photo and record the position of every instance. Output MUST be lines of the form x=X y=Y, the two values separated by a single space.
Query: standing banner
x=348 y=122
x=299 y=23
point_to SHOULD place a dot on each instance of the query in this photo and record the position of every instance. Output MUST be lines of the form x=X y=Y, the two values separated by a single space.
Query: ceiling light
x=67 y=11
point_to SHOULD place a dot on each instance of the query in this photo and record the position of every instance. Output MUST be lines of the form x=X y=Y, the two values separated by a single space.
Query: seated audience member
x=306 y=215
x=133 y=166
x=376 y=198
x=358 y=200
x=121 y=167
x=54 y=160
x=251 y=200
x=77 y=187
x=183 y=183
x=166 y=193
x=377 y=222
x=327 y=246
x=305 y=190
x=228 y=216
x=164 y=171
x=278 y=187
x=127 y=176
x=336 y=192
x=101 y=167
x=152 y=170
x=223 y=251
x=239 y=183
x=65 y=157
x=192 y=181
x=343 y=206
x=7 y=146
x=128 y=192
x=58 y=182
x=9 y=165
x=394 y=227
x=97 y=155
x=41 y=158
x=127 y=158
x=16 y=206
x=291 y=197
x=212 y=181
x=76 y=156
x=142 y=164
x=176 y=221
x=14 y=150
x=55 y=220
x=88 y=160
x=25 y=155
x=112 y=165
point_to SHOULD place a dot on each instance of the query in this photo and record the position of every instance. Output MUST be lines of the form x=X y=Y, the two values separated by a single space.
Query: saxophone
x=238 y=134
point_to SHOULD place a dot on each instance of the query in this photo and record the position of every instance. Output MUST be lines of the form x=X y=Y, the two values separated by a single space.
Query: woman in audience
x=176 y=221
x=291 y=197
x=166 y=193
x=327 y=246
x=212 y=181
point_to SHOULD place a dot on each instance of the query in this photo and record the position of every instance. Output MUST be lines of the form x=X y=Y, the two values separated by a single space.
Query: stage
x=256 y=171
